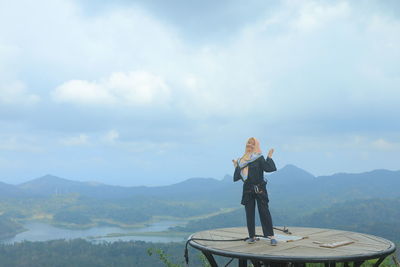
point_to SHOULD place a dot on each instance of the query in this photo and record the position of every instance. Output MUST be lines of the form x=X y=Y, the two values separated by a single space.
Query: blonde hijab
x=249 y=156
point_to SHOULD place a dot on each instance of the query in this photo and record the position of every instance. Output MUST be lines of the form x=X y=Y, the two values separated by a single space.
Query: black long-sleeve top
x=255 y=175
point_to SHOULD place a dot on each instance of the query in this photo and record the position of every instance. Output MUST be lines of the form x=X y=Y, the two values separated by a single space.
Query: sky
x=155 y=92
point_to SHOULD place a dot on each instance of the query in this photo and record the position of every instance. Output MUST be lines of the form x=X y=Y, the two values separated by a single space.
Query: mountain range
x=290 y=188
x=285 y=184
x=50 y=185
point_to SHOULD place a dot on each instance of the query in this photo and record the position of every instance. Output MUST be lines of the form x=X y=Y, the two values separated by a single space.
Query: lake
x=38 y=231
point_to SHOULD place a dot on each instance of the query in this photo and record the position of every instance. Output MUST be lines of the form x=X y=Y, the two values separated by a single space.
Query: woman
x=250 y=169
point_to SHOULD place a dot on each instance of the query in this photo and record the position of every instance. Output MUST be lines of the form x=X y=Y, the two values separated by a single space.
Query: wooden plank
x=335 y=244
x=306 y=251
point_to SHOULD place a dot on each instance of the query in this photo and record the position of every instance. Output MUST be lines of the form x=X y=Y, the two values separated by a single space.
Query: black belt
x=257 y=188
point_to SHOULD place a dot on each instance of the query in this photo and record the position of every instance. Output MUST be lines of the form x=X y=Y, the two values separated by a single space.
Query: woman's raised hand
x=234 y=162
x=270 y=152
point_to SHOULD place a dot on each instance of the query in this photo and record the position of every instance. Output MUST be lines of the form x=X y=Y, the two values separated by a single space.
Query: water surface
x=38 y=231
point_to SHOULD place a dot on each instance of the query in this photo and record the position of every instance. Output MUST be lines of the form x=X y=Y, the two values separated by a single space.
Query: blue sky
x=155 y=92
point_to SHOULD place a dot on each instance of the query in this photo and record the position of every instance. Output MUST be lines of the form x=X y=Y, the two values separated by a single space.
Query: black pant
x=263 y=211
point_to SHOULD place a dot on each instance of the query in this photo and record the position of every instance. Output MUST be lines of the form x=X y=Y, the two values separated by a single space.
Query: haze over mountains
x=291 y=189
x=286 y=183
x=50 y=185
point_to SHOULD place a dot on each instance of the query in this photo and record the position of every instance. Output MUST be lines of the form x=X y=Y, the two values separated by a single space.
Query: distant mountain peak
x=291 y=167
x=52 y=177
x=47 y=180
x=227 y=178
x=294 y=168
x=290 y=174
x=197 y=180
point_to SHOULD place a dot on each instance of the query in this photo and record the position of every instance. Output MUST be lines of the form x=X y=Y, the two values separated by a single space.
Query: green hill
x=8 y=228
x=379 y=217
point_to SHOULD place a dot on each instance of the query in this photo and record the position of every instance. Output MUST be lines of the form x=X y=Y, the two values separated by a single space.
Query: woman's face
x=250 y=145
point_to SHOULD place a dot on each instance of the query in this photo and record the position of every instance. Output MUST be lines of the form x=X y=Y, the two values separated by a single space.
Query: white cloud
x=314 y=15
x=340 y=142
x=19 y=143
x=82 y=92
x=65 y=42
x=111 y=136
x=79 y=140
x=367 y=143
x=16 y=93
x=384 y=145
x=133 y=88
x=307 y=55
x=299 y=63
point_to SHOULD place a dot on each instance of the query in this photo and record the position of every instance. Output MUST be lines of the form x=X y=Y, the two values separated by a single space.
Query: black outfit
x=254 y=189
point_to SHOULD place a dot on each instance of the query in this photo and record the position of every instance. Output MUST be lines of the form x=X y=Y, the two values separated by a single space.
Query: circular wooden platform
x=310 y=249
